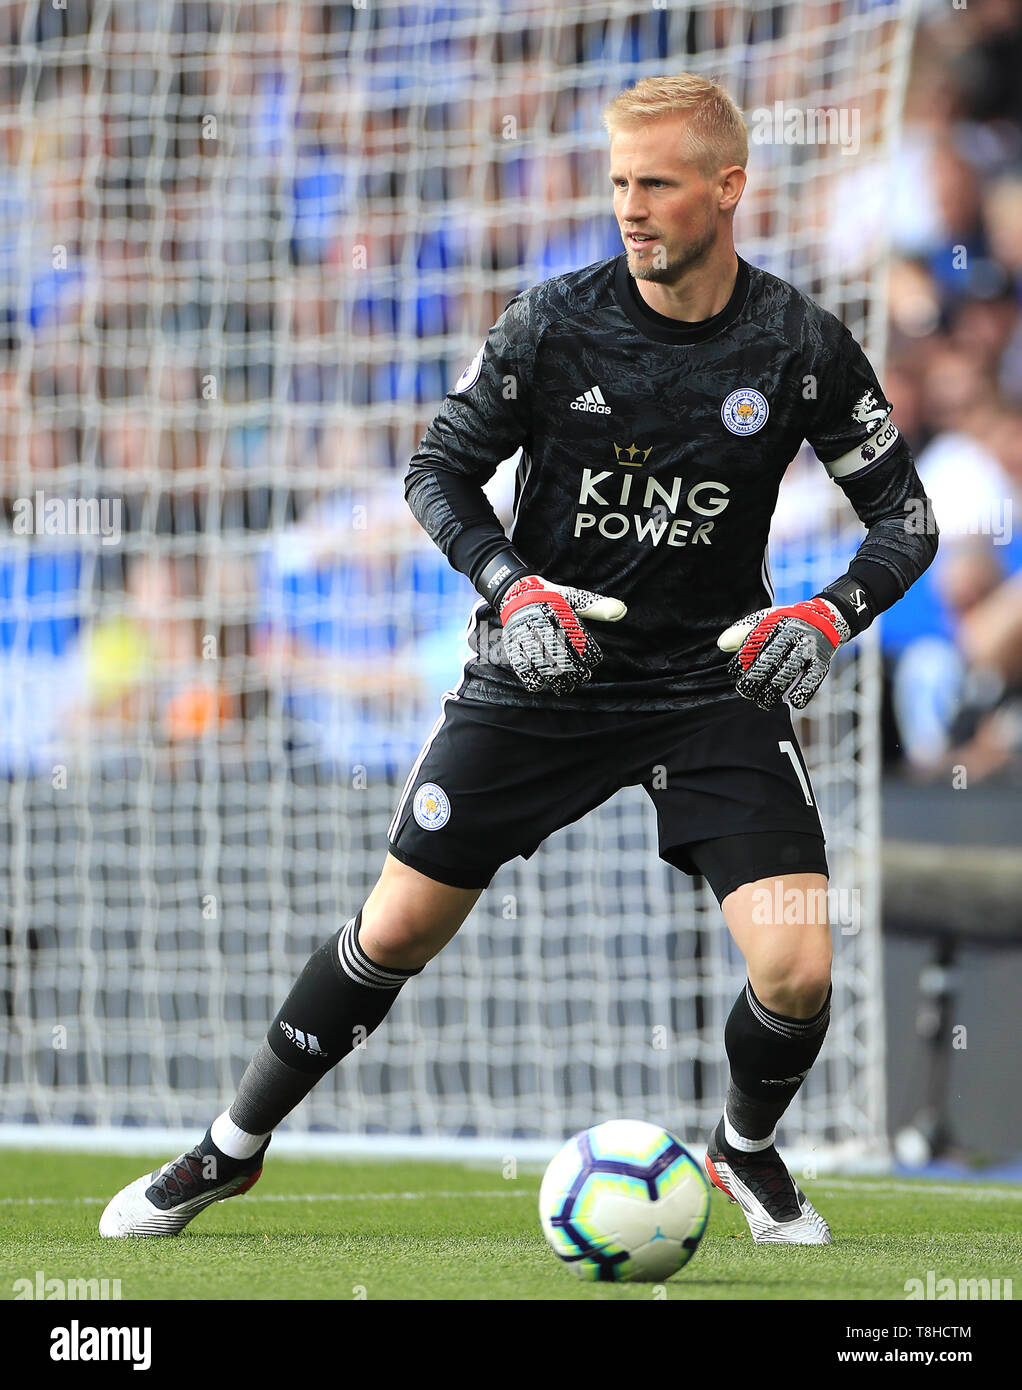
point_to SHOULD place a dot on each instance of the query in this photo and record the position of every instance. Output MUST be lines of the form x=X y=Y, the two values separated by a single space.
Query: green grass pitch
x=340 y=1229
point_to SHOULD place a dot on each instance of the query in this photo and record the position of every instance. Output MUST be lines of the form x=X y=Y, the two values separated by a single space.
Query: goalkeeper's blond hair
x=714 y=127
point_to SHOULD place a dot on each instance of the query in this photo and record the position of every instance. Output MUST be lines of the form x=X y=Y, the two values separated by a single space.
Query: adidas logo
x=592 y=401
x=307 y=1042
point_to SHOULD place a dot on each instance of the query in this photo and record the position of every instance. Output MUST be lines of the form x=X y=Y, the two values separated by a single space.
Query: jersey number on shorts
x=786 y=746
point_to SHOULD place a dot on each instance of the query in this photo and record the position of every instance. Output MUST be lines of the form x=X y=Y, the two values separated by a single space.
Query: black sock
x=337 y=1001
x=225 y=1165
x=770 y=1057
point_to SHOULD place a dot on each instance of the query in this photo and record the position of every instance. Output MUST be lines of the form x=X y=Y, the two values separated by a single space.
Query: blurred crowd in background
x=954 y=373
x=244 y=251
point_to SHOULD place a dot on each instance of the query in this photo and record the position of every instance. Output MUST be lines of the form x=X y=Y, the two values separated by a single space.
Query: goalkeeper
x=625 y=634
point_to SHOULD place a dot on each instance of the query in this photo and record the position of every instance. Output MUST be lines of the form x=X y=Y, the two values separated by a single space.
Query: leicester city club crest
x=745 y=411
x=431 y=807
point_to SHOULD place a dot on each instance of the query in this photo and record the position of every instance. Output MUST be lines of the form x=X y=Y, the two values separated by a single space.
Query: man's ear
x=731 y=182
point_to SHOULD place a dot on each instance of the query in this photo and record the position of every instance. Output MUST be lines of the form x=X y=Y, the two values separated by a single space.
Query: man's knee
x=801 y=994
x=408 y=918
x=783 y=931
x=794 y=983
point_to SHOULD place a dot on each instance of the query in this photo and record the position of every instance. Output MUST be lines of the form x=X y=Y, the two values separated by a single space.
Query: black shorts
x=732 y=794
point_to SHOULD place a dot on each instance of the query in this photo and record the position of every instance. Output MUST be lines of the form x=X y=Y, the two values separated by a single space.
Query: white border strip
x=154 y=1142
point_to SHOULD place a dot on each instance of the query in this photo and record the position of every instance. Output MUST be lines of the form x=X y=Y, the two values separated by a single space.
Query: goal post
x=245 y=251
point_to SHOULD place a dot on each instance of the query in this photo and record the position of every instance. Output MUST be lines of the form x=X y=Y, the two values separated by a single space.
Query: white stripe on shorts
x=454 y=694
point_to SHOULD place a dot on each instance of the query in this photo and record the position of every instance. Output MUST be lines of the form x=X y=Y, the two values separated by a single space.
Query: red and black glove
x=784 y=651
x=546 y=644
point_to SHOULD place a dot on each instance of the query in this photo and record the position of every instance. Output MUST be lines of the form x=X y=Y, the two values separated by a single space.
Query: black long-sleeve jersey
x=652 y=455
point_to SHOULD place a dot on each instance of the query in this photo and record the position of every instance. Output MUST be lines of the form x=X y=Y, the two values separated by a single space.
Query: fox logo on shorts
x=431 y=807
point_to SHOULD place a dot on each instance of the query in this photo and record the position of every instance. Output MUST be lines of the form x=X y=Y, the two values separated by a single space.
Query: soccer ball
x=624 y=1201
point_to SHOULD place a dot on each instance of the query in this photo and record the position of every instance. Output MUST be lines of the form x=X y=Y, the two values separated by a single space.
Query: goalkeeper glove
x=784 y=651
x=547 y=646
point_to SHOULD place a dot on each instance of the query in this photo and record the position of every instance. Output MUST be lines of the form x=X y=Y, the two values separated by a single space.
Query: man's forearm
x=456 y=513
x=900 y=543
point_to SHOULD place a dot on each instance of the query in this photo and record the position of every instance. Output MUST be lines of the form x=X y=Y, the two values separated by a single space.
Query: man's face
x=666 y=207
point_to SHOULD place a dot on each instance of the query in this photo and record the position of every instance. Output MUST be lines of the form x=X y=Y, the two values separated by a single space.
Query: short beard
x=673 y=270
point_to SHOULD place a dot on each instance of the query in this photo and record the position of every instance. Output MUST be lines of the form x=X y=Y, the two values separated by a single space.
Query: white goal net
x=244 y=250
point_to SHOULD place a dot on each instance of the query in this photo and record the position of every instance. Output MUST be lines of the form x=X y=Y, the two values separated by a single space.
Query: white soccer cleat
x=777 y=1210
x=162 y=1203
